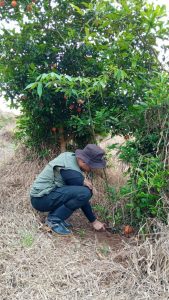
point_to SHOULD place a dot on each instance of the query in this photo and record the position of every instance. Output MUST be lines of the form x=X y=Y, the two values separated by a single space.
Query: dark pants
x=61 y=202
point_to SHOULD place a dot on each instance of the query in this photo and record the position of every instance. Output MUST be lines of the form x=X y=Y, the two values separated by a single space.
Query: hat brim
x=94 y=165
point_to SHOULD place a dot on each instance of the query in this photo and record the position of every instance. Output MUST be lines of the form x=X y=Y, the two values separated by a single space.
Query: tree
x=111 y=42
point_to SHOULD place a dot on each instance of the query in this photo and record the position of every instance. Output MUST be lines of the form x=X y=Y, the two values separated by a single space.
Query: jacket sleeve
x=88 y=212
x=72 y=177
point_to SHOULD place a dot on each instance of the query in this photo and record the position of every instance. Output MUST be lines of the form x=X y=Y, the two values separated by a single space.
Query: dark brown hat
x=92 y=155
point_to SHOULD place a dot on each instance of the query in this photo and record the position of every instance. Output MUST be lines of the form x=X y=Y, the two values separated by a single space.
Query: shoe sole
x=47 y=229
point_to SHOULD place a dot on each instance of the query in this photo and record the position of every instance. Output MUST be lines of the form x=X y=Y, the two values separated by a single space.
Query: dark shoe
x=59 y=228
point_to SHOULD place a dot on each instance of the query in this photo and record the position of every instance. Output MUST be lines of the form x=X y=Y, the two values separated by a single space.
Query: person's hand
x=88 y=184
x=97 y=225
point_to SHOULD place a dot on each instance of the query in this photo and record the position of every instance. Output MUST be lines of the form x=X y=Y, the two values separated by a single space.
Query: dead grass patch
x=36 y=265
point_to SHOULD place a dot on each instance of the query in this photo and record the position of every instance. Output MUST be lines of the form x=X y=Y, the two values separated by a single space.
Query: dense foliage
x=111 y=39
x=147 y=153
x=78 y=69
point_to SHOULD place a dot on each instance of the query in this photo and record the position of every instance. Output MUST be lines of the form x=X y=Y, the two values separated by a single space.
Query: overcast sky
x=3 y=105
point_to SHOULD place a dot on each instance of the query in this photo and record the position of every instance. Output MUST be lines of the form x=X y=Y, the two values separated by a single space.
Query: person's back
x=50 y=176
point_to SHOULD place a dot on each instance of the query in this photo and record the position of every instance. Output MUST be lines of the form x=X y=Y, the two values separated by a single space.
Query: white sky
x=3 y=105
x=161 y=2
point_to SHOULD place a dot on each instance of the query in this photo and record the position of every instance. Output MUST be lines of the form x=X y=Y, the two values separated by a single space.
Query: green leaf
x=120 y=74
x=87 y=31
x=138 y=212
x=134 y=63
x=86 y=4
x=39 y=89
x=103 y=84
x=68 y=77
x=31 y=86
x=113 y=146
x=77 y=9
x=43 y=76
x=32 y=66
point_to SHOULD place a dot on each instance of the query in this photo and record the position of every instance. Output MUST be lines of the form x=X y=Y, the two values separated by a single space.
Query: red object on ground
x=79 y=109
x=128 y=229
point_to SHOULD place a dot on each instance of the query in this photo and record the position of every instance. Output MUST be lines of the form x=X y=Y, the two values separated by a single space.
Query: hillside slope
x=37 y=265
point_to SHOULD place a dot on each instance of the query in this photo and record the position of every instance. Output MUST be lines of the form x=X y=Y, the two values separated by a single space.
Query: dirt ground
x=37 y=265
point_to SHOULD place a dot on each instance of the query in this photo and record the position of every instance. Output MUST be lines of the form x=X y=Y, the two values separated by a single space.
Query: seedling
x=81 y=233
x=104 y=250
x=27 y=239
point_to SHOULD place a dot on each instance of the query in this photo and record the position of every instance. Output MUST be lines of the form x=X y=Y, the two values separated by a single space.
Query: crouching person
x=60 y=188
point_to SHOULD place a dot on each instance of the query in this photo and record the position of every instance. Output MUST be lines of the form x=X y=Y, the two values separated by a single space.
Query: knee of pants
x=81 y=198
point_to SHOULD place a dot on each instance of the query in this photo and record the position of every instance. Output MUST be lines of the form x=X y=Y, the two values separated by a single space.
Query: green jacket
x=50 y=177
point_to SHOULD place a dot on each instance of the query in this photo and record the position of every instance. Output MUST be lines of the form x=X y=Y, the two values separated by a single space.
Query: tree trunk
x=62 y=140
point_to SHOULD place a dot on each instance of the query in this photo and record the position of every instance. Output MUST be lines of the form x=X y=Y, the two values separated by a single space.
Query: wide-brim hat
x=92 y=155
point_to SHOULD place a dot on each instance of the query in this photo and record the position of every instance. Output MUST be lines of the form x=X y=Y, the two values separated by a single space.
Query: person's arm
x=72 y=177
x=88 y=212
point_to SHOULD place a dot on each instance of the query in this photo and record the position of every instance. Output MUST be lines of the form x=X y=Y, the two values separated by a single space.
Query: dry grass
x=7 y=124
x=35 y=265
x=114 y=176
x=116 y=168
